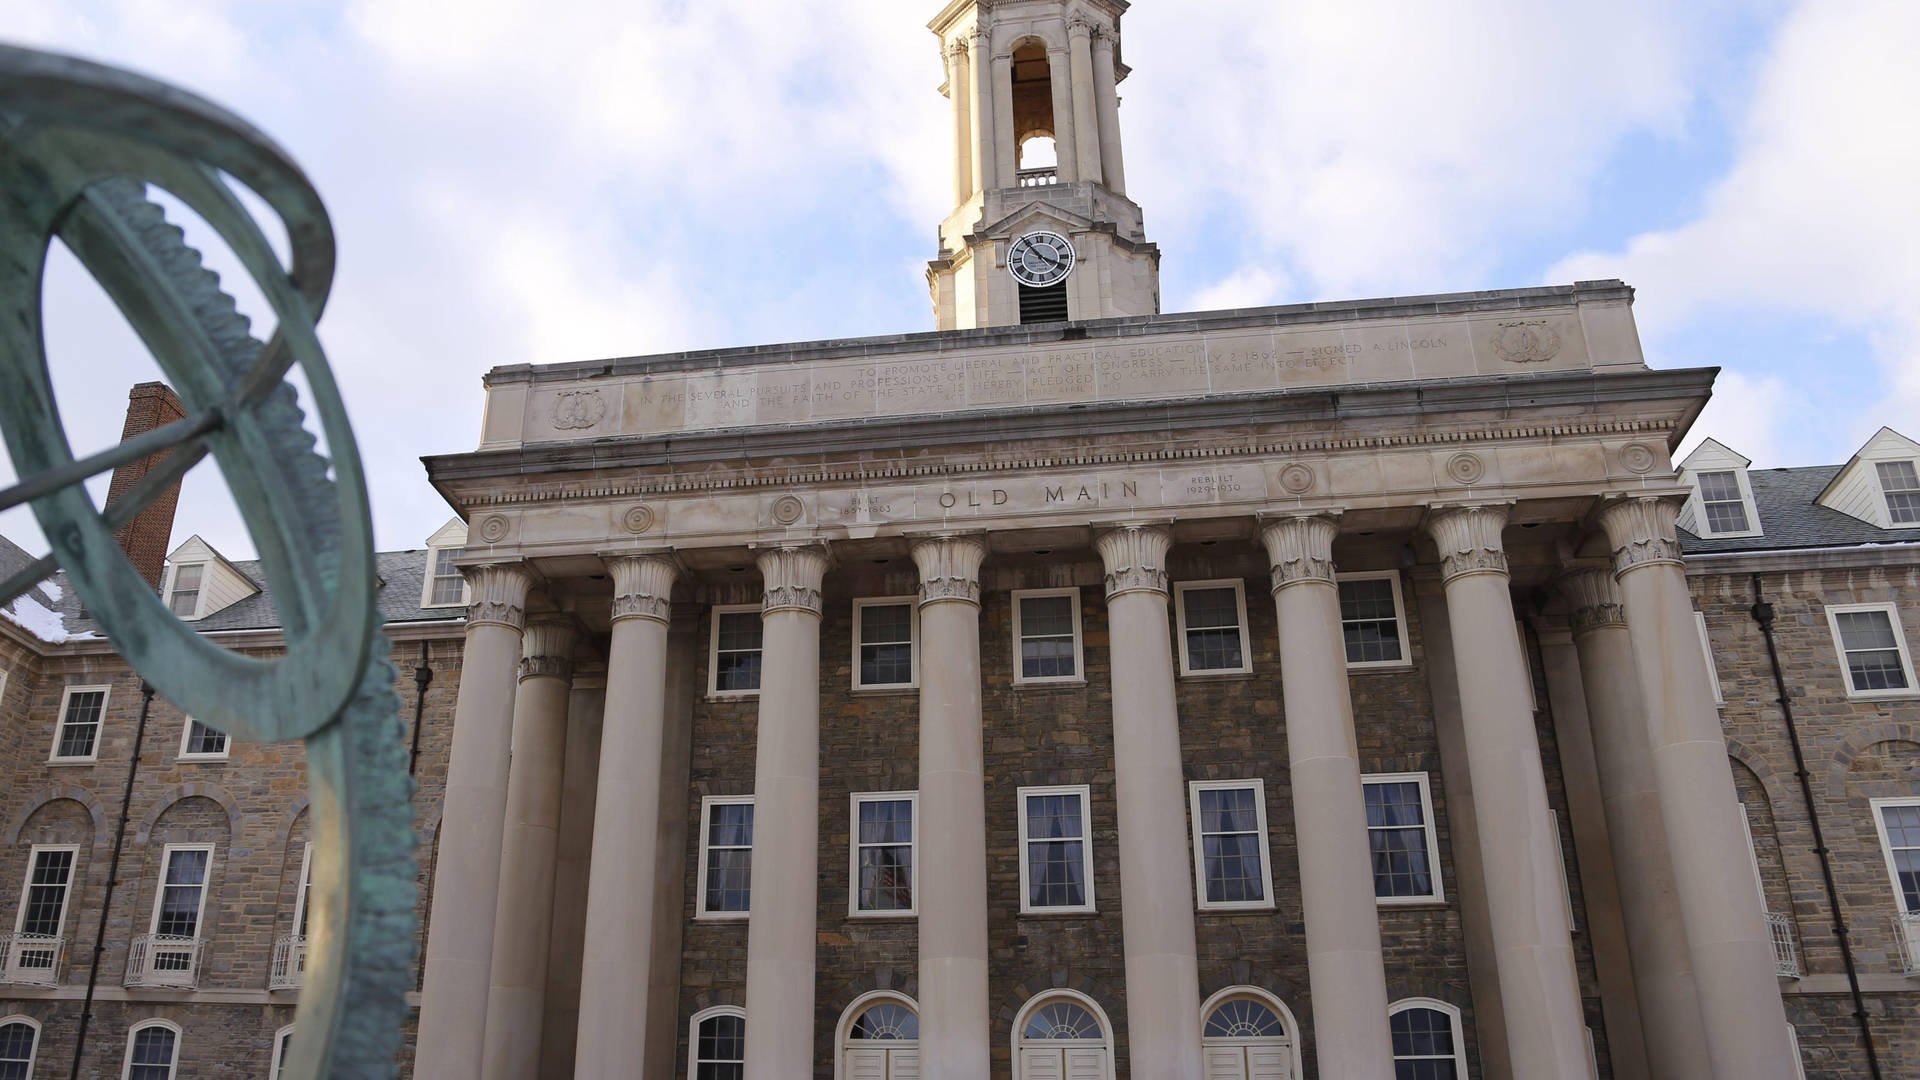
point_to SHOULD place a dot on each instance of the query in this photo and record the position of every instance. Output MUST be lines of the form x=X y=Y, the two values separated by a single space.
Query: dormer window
x=1900 y=483
x=184 y=597
x=1721 y=502
x=447 y=585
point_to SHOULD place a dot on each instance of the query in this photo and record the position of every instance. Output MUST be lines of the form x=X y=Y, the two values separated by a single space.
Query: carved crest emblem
x=1527 y=341
x=578 y=409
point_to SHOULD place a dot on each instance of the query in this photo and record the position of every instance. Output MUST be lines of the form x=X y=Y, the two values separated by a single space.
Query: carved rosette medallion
x=1465 y=468
x=1135 y=557
x=547 y=648
x=499 y=594
x=1300 y=547
x=1638 y=458
x=643 y=587
x=1469 y=540
x=1296 y=479
x=792 y=576
x=1593 y=597
x=638 y=519
x=578 y=409
x=1640 y=528
x=495 y=529
x=787 y=509
x=950 y=568
x=1526 y=341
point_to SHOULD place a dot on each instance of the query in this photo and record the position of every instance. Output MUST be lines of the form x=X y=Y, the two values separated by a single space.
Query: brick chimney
x=145 y=538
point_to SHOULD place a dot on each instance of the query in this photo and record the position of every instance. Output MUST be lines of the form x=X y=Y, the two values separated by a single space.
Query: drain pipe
x=113 y=873
x=1762 y=613
x=422 y=675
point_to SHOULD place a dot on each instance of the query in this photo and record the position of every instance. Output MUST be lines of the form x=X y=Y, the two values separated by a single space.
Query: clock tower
x=1042 y=229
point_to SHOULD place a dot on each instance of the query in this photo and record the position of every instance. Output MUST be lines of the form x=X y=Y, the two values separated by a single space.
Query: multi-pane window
x=1900 y=483
x=18 y=1041
x=78 y=736
x=1046 y=636
x=447 y=585
x=1722 y=505
x=1872 y=649
x=43 y=906
x=1713 y=667
x=1230 y=843
x=304 y=894
x=282 y=1044
x=1899 y=824
x=1056 y=850
x=1426 y=1041
x=185 y=597
x=726 y=856
x=883 y=853
x=1371 y=620
x=1400 y=835
x=152 y=1051
x=735 y=663
x=183 y=894
x=201 y=741
x=883 y=643
x=1213 y=627
x=719 y=1047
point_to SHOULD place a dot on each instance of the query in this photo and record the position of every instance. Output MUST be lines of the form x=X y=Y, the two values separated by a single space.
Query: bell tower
x=1042 y=229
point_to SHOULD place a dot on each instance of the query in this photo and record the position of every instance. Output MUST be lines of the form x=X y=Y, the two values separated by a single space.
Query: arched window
x=1427 y=1044
x=879 y=1038
x=282 y=1042
x=1059 y=1035
x=1248 y=1034
x=717 y=1048
x=19 y=1040
x=153 y=1048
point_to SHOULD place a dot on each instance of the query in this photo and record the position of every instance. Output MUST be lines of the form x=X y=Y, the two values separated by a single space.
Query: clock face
x=1039 y=259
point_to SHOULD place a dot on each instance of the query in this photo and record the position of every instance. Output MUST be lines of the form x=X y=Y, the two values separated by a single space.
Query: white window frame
x=1886 y=847
x=1085 y=792
x=186 y=740
x=160 y=890
x=1799 y=1063
x=33 y=1055
x=1453 y=1017
x=1239 y=588
x=707 y=803
x=199 y=593
x=853 y=854
x=1399 y=619
x=1840 y=649
x=426 y=585
x=1259 y=786
x=179 y=1036
x=26 y=888
x=913 y=640
x=279 y=1037
x=713 y=650
x=1079 y=677
x=300 y=896
x=693 y=1033
x=1747 y=504
x=1880 y=486
x=1753 y=855
x=60 y=724
x=1566 y=879
x=1706 y=650
x=1432 y=830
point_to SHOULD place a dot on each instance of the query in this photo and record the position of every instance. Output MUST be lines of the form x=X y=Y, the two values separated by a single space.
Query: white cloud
x=1247 y=286
x=1746 y=413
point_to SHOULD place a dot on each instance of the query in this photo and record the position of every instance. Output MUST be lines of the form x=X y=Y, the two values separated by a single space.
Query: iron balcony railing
x=289 y=963
x=1786 y=954
x=1038 y=177
x=164 y=960
x=1906 y=942
x=34 y=959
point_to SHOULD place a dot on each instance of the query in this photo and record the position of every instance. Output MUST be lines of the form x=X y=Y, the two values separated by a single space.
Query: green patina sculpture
x=79 y=143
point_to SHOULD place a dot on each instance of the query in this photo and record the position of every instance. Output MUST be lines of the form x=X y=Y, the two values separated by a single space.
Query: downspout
x=422 y=675
x=113 y=873
x=1762 y=613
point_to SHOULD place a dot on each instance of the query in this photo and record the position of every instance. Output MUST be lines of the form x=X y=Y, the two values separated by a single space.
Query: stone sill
x=1217 y=676
x=1063 y=684
x=1383 y=669
x=884 y=691
x=1385 y=905
x=1058 y=915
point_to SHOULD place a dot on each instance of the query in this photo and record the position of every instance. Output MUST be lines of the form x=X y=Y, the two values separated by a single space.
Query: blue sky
x=515 y=182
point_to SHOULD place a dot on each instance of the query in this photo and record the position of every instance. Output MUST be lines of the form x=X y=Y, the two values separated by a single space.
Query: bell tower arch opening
x=1035 y=158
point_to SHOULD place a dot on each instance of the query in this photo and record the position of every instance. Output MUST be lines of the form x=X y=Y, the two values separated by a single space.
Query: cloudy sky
x=514 y=181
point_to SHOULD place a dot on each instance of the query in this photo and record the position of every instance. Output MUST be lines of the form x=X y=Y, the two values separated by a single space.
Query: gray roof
x=1789 y=517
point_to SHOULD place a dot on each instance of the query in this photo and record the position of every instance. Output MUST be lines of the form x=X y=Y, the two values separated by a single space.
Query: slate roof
x=1789 y=517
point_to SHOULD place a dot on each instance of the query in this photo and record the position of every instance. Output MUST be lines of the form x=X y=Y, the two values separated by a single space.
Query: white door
x=1043 y=1063
x=1270 y=1062
x=1086 y=1064
x=882 y=1063
x=1225 y=1063
x=1248 y=1059
x=903 y=1064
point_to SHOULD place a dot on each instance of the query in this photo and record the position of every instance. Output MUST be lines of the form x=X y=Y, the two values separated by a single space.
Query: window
x=1560 y=860
x=726 y=856
x=35 y=954
x=883 y=854
x=1427 y=1044
x=1046 y=636
x=184 y=597
x=879 y=1039
x=303 y=894
x=1230 y=843
x=152 y=1050
x=77 y=737
x=1056 y=850
x=1400 y=833
x=178 y=905
x=282 y=1042
x=1059 y=1036
x=1247 y=1034
x=1372 y=620
x=1713 y=669
x=202 y=743
x=19 y=1040
x=717 y=1048
x=445 y=585
x=734 y=667
x=1723 y=506
x=1898 y=822
x=884 y=653
x=1872 y=650
x=1901 y=485
x=1213 y=627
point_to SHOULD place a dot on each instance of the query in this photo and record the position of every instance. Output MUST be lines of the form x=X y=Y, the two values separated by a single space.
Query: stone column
x=620 y=881
x=955 y=1039
x=1727 y=936
x=1059 y=71
x=453 y=998
x=1086 y=124
x=1649 y=908
x=1344 y=967
x=980 y=71
x=786 y=818
x=1005 y=153
x=1156 y=880
x=960 y=93
x=516 y=1000
x=1526 y=895
x=1106 y=95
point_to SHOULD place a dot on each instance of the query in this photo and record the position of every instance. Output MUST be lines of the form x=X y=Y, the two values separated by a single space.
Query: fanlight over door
x=1244 y=1039
x=1064 y=1040
x=883 y=1044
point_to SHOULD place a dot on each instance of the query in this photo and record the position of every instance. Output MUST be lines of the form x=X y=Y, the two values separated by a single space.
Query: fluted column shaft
x=1630 y=797
x=955 y=1039
x=614 y=976
x=1106 y=93
x=1156 y=884
x=1344 y=965
x=980 y=74
x=1004 y=150
x=466 y=874
x=1086 y=124
x=786 y=818
x=960 y=94
x=1526 y=894
x=1727 y=935
x=1060 y=75
x=522 y=927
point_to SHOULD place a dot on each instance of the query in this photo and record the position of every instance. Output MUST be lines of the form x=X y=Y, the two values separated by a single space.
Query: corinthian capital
x=499 y=594
x=792 y=576
x=1594 y=598
x=1080 y=24
x=1469 y=539
x=547 y=648
x=1135 y=557
x=1300 y=547
x=1640 y=528
x=643 y=587
x=950 y=568
x=956 y=50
